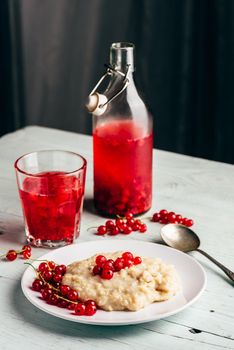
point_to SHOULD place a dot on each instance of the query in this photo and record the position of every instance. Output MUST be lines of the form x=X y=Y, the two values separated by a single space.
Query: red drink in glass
x=122 y=168
x=52 y=204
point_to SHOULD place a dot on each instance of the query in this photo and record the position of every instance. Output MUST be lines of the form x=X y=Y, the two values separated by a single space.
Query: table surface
x=197 y=188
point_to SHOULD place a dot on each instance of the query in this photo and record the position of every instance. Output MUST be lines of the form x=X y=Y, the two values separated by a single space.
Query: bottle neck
x=121 y=57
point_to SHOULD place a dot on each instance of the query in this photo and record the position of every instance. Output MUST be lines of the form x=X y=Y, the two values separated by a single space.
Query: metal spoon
x=182 y=238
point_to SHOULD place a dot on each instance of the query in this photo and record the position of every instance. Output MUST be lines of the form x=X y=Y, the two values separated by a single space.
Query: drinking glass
x=51 y=187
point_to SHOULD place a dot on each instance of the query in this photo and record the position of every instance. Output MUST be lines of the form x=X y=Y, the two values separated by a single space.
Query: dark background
x=52 y=53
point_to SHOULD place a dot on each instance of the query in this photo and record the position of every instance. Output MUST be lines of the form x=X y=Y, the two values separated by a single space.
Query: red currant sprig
x=165 y=217
x=105 y=268
x=125 y=225
x=49 y=284
x=12 y=254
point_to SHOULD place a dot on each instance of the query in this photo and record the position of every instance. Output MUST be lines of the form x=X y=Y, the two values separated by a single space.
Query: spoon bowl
x=180 y=237
x=183 y=238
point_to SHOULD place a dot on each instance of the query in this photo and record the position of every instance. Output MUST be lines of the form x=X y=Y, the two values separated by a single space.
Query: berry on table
x=110 y=224
x=171 y=217
x=114 y=231
x=102 y=230
x=127 y=230
x=11 y=255
x=156 y=217
x=163 y=212
x=26 y=254
x=143 y=228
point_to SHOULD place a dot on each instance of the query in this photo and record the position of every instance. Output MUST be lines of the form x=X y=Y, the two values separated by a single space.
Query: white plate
x=191 y=273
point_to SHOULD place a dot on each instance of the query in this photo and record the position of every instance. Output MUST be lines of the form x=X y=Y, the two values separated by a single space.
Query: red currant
x=60 y=269
x=102 y=230
x=62 y=303
x=130 y=222
x=129 y=216
x=156 y=217
x=143 y=228
x=48 y=275
x=188 y=222
x=37 y=285
x=97 y=270
x=100 y=260
x=80 y=309
x=128 y=262
x=57 y=277
x=71 y=306
x=108 y=265
x=135 y=227
x=114 y=231
x=107 y=274
x=122 y=227
x=127 y=255
x=53 y=300
x=137 y=260
x=46 y=293
x=11 y=255
x=119 y=223
x=164 y=220
x=26 y=248
x=72 y=295
x=26 y=254
x=90 y=302
x=171 y=217
x=43 y=267
x=119 y=264
x=163 y=212
x=64 y=289
x=90 y=310
x=179 y=218
x=110 y=224
x=51 y=265
x=127 y=230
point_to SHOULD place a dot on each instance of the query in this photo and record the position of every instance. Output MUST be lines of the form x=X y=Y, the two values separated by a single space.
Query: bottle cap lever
x=97 y=103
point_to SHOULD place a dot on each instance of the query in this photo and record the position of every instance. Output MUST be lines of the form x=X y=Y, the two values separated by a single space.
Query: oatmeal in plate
x=130 y=288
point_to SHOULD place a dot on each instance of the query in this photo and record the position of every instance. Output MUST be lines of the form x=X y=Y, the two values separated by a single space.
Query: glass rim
x=84 y=165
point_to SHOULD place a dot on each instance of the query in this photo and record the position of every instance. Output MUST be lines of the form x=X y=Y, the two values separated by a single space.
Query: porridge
x=130 y=288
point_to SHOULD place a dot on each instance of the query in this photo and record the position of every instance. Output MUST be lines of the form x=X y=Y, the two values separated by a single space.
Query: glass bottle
x=122 y=142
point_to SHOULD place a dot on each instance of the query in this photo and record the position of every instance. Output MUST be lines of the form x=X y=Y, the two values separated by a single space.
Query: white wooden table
x=200 y=189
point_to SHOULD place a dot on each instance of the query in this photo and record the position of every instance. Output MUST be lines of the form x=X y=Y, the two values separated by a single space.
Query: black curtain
x=52 y=53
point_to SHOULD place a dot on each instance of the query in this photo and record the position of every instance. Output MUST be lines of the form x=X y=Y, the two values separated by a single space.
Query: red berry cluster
x=105 y=268
x=124 y=225
x=165 y=217
x=49 y=284
x=25 y=253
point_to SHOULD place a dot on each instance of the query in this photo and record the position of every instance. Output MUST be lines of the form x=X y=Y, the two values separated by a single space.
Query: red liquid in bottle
x=51 y=203
x=122 y=168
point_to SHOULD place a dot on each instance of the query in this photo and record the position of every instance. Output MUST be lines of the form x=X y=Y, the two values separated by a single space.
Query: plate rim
x=88 y=320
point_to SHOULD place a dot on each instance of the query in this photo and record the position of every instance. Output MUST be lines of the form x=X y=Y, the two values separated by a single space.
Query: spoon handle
x=228 y=272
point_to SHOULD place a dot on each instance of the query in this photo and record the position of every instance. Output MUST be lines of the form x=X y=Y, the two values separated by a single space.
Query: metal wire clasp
x=104 y=101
